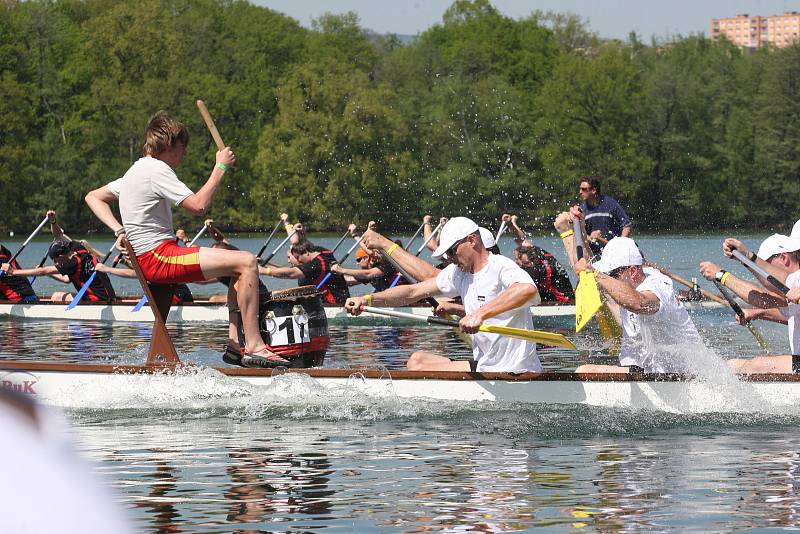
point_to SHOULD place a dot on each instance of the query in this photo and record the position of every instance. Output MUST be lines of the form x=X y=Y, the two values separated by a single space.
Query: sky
x=608 y=18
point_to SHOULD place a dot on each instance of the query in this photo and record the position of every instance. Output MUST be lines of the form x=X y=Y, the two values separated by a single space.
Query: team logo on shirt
x=481 y=298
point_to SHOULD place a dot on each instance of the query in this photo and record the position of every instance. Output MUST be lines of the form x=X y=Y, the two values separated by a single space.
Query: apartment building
x=756 y=31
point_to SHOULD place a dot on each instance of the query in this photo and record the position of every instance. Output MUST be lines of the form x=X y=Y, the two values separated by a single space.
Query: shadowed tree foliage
x=480 y=114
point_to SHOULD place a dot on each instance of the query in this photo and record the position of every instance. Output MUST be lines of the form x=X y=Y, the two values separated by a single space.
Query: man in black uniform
x=310 y=264
x=12 y=287
x=76 y=265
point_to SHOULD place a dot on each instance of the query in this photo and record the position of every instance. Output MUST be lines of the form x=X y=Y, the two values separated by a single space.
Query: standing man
x=605 y=218
x=779 y=255
x=146 y=194
x=494 y=291
x=655 y=327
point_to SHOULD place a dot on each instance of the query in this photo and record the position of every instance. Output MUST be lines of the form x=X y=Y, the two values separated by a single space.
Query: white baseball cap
x=454 y=230
x=777 y=244
x=619 y=252
x=487 y=237
x=795 y=231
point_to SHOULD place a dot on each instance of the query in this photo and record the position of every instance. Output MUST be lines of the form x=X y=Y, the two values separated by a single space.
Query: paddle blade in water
x=609 y=329
x=587 y=299
x=545 y=338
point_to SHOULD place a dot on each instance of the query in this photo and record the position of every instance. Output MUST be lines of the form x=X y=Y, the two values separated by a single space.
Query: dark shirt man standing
x=605 y=218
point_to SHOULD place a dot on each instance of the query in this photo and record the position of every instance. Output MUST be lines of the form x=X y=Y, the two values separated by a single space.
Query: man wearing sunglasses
x=494 y=291
x=605 y=218
x=657 y=333
x=779 y=255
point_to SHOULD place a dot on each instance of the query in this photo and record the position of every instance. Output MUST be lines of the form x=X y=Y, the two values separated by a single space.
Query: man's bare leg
x=761 y=365
x=243 y=267
x=428 y=361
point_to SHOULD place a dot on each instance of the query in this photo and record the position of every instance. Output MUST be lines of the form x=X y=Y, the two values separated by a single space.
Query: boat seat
x=159 y=298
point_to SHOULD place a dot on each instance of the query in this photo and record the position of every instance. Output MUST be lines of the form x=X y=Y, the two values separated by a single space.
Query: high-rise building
x=756 y=31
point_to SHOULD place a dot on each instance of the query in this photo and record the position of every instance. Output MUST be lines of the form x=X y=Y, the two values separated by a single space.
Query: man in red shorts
x=146 y=194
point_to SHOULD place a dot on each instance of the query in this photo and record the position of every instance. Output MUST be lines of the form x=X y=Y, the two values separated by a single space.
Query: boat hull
x=75 y=385
x=217 y=312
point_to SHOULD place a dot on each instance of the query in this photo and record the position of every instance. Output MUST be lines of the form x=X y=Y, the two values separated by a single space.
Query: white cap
x=454 y=230
x=487 y=238
x=776 y=244
x=795 y=231
x=619 y=252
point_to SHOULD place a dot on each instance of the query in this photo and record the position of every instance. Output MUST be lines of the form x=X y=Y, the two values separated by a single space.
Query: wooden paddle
x=82 y=291
x=210 y=124
x=25 y=244
x=536 y=336
x=740 y=313
x=690 y=285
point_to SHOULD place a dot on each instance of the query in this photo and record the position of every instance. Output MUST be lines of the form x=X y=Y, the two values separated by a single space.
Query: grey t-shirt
x=146 y=194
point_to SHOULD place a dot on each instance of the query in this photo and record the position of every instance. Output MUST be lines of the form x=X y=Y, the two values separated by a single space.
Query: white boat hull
x=106 y=386
x=215 y=312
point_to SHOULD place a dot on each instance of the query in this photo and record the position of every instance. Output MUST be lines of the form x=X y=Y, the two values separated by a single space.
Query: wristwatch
x=720 y=274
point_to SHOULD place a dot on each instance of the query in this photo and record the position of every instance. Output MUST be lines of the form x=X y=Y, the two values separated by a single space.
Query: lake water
x=354 y=463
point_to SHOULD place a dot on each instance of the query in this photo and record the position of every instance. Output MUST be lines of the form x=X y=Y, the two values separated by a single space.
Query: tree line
x=480 y=114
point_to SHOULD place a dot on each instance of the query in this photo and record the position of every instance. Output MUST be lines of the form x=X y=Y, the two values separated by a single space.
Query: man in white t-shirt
x=495 y=291
x=779 y=255
x=146 y=194
x=656 y=330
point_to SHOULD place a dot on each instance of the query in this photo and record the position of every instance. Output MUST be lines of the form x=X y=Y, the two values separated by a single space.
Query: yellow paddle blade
x=545 y=338
x=587 y=299
x=609 y=329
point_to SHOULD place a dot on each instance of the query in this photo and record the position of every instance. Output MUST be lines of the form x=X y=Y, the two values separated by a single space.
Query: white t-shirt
x=493 y=352
x=792 y=314
x=145 y=193
x=658 y=343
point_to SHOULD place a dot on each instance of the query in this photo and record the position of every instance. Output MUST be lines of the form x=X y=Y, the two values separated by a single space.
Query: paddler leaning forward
x=658 y=336
x=494 y=290
x=146 y=193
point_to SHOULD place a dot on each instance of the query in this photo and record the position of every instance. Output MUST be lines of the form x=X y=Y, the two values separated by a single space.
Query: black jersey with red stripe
x=335 y=290
x=381 y=283
x=79 y=268
x=550 y=277
x=15 y=288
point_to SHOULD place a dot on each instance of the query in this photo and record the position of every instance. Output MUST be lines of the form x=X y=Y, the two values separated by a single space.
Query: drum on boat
x=294 y=325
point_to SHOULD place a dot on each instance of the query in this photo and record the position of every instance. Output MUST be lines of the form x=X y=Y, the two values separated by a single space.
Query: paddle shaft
x=349 y=251
x=502 y=229
x=210 y=124
x=196 y=237
x=280 y=246
x=25 y=244
x=425 y=243
x=744 y=260
x=740 y=313
x=271 y=235
x=85 y=287
x=577 y=231
x=335 y=248
x=707 y=294
x=400 y=271
x=414 y=237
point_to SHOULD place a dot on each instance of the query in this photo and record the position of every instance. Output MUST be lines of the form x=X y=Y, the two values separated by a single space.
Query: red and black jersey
x=381 y=283
x=182 y=294
x=335 y=290
x=550 y=277
x=79 y=269
x=15 y=288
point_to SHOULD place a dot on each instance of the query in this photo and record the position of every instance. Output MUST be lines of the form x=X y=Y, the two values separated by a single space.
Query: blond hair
x=162 y=133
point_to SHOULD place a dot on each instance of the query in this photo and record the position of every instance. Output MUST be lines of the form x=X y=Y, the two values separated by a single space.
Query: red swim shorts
x=170 y=263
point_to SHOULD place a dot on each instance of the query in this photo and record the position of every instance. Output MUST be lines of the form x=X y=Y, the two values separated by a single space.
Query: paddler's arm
x=764 y=314
x=396 y=296
x=99 y=201
x=563 y=225
x=639 y=302
x=47 y=270
x=519 y=235
x=362 y=275
x=517 y=295
x=200 y=202
x=730 y=244
x=416 y=267
x=116 y=271
x=281 y=272
x=751 y=293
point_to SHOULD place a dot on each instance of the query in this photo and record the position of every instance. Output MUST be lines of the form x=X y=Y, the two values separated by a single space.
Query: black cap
x=59 y=246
